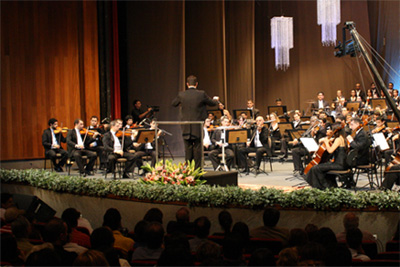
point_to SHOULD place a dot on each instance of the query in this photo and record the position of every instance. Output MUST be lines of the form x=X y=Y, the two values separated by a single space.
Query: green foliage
x=332 y=199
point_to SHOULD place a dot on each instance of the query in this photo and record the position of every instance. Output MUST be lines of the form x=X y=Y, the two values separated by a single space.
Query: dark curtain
x=385 y=36
x=115 y=74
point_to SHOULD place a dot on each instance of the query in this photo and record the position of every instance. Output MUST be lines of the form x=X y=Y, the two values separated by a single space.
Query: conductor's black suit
x=193 y=108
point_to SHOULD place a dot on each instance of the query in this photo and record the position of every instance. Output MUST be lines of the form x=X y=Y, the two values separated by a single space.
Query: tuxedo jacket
x=361 y=143
x=216 y=137
x=72 y=140
x=47 y=139
x=108 y=142
x=296 y=126
x=361 y=94
x=193 y=108
x=315 y=104
x=263 y=137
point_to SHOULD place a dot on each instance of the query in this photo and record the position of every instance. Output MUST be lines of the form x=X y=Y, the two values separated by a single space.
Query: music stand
x=279 y=110
x=145 y=136
x=305 y=118
x=296 y=133
x=217 y=113
x=237 y=136
x=378 y=102
x=392 y=124
x=330 y=119
x=285 y=127
x=236 y=113
x=353 y=106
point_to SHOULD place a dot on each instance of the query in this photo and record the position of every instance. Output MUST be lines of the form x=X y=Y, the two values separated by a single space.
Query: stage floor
x=281 y=177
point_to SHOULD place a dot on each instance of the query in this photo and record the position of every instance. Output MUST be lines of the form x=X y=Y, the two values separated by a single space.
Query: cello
x=320 y=155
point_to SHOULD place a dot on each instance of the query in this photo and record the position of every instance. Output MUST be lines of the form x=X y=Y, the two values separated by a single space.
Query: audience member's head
x=154 y=215
x=208 y=253
x=232 y=248
x=271 y=217
x=182 y=215
x=298 y=237
x=112 y=219
x=140 y=231
x=350 y=221
x=56 y=232
x=177 y=239
x=9 y=249
x=288 y=257
x=262 y=257
x=91 y=258
x=326 y=237
x=175 y=256
x=12 y=213
x=44 y=257
x=154 y=235
x=312 y=253
x=339 y=255
x=20 y=227
x=71 y=216
x=225 y=221
x=311 y=230
x=6 y=200
x=243 y=230
x=102 y=238
x=202 y=227
x=354 y=238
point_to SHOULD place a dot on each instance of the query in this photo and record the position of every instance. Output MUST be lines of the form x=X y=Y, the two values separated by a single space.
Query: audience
x=182 y=223
x=225 y=221
x=351 y=221
x=71 y=216
x=154 y=238
x=354 y=238
x=91 y=258
x=202 y=227
x=262 y=257
x=9 y=250
x=232 y=251
x=139 y=233
x=20 y=229
x=44 y=257
x=112 y=219
x=6 y=202
x=209 y=254
x=270 y=230
x=153 y=215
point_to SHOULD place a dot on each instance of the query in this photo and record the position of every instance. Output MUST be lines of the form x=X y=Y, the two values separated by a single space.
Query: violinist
x=116 y=148
x=51 y=142
x=128 y=121
x=218 y=139
x=97 y=146
x=207 y=135
x=392 y=177
x=274 y=132
x=359 y=141
x=258 y=144
x=353 y=96
x=317 y=176
x=296 y=123
x=380 y=126
x=78 y=141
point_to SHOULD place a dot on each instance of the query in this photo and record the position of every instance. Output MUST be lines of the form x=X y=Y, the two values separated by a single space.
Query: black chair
x=58 y=157
x=71 y=162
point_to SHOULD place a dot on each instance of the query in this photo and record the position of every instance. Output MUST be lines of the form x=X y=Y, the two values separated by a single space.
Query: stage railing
x=182 y=123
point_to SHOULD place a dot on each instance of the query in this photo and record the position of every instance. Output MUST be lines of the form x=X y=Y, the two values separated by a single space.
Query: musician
x=380 y=126
x=359 y=142
x=258 y=143
x=353 y=96
x=253 y=111
x=396 y=97
x=219 y=139
x=275 y=134
x=97 y=145
x=208 y=146
x=374 y=90
x=278 y=102
x=147 y=149
x=299 y=151
x=128 y=121
x=339 y=99
x=321 y=131
x=317 y=176
x=392 y=177
x=139 y=113
x=77 y=147
x=359 y=92
x=52 y=145
x=116 y=148
x=296 y=123
x=394 y=143
x=193 y=108
x=321 y=103
x=211 y=117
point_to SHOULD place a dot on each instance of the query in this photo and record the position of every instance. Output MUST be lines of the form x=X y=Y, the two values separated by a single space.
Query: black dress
x=317 y=176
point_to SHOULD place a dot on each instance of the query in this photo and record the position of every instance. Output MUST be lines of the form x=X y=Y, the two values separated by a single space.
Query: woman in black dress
x=317 y=176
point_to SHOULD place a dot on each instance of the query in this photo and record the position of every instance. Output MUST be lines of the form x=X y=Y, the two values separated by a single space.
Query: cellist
x=317 y=176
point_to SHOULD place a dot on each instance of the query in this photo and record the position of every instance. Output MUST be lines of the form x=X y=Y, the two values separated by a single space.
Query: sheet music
x=380 y=140
x=309 y=143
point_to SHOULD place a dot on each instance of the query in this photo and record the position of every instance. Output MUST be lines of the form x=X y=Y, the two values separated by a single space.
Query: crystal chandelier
x=282 y=40
x=328 y=18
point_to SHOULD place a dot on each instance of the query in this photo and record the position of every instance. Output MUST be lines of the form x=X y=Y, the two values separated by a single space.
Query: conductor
x=193 y=108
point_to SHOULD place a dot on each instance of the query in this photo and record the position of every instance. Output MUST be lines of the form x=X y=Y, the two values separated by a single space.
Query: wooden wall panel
x=40 y=55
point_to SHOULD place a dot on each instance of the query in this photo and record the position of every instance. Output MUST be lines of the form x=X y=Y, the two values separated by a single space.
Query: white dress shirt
x=117 y=143
x=257 y=142
x=53 y=138
x=79 y=137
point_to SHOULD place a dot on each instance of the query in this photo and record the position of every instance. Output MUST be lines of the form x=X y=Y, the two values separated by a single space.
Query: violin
x=210 y=128
x=120 y=133
x=379 y=129
x=62 y=130
x=89 y=132
x=395 y=161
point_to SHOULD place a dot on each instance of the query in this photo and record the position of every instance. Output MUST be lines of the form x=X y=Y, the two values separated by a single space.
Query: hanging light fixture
x=328 y=18
x=282 y=40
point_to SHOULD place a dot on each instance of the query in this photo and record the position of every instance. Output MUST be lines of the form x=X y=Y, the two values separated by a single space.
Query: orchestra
x=264 y=136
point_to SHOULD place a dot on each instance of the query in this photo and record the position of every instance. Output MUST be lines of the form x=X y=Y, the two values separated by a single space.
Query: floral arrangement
x=168 y=173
